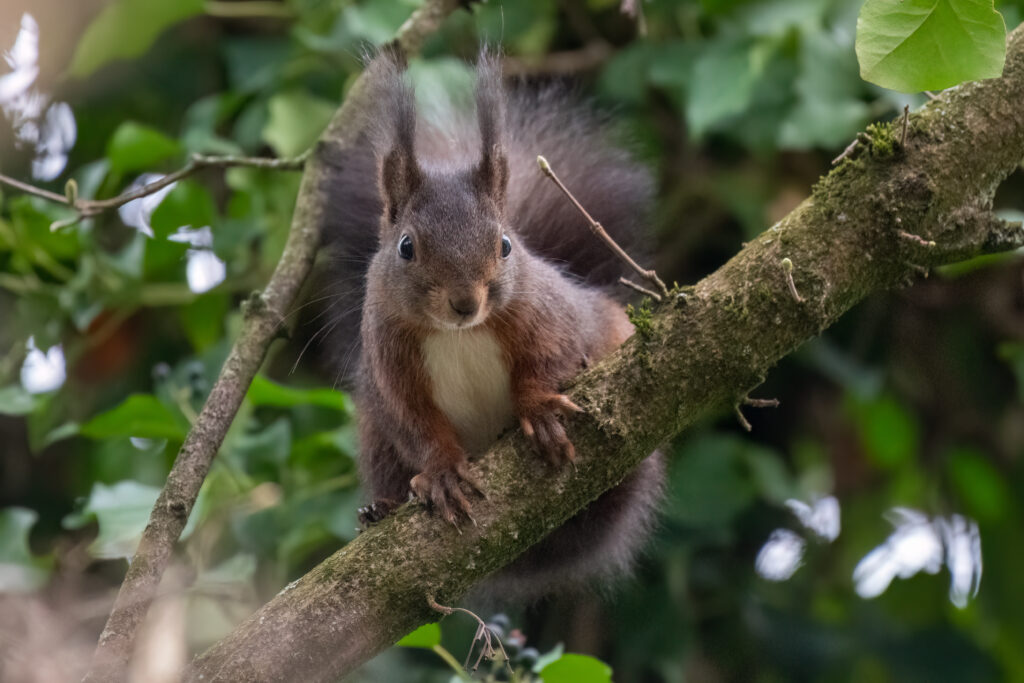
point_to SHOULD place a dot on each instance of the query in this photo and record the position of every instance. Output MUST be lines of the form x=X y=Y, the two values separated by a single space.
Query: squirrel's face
x=449 y=258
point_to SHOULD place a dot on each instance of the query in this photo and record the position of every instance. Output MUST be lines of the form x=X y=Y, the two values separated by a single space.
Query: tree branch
x=699 y=353
x=90 y=207
x=263 y=315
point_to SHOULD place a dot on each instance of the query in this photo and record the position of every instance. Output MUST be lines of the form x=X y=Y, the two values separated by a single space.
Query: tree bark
x=866 y=227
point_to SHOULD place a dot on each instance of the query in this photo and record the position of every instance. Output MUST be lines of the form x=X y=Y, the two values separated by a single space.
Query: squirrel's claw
x=544 y=430
x=376 y=511
x=444 y=491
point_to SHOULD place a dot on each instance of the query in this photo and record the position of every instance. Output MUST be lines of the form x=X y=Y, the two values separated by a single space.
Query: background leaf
x=126 y=28
x=426 y=636
x=140 y=415
x=572 y=668
x=915 y=45
x=134 y=147
x=122 y=512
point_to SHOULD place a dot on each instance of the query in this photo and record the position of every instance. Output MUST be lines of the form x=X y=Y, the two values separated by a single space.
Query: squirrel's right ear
x=492 y=171
x=400 y=174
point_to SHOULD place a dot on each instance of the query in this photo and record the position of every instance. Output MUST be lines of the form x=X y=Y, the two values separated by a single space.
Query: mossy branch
x=697 y=354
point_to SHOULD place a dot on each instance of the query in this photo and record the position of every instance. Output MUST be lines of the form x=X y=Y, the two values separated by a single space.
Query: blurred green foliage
x=915 y=399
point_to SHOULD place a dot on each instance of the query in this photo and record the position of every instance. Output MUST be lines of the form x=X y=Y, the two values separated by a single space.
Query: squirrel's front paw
x=541 y=425
x=446 y=491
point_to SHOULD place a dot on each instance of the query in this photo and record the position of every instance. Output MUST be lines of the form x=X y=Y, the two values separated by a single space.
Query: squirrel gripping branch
x=478 y=292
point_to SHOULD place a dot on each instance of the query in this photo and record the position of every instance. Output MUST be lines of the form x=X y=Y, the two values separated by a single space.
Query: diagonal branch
x=263 y=315
x=700 y=352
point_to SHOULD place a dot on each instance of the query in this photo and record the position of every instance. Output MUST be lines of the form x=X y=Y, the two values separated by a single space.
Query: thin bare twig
x=643 y=290
x=761 y=402
x=90 y=207
x=852 y=147
x=916 y=239
x=600 y=232
x=484 y=635
x=931 y=95
x=906 y=121
x=754 y=403
x=787 y=269
x=741 y=419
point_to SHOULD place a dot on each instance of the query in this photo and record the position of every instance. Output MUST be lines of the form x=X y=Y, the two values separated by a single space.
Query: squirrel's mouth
x=454 y=321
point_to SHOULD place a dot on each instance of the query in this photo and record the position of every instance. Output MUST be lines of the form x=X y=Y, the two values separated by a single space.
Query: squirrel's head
x=445 y=248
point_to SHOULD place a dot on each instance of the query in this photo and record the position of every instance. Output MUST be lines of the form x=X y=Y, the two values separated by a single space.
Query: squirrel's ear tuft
x=492 y=172
x=400 y=177
x=400 y=174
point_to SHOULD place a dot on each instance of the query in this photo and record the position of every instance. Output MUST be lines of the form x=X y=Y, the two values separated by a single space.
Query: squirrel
x=478 y=292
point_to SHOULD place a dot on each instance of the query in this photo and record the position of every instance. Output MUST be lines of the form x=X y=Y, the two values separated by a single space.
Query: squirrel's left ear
x=491 y=174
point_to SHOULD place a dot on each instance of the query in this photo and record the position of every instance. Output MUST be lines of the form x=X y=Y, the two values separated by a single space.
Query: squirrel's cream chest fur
x=470 y=384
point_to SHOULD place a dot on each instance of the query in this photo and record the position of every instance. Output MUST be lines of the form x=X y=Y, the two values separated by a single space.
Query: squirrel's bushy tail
x=530 y=121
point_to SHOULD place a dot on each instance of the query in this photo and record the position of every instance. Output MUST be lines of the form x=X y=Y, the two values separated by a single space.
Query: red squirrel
x=479 y=292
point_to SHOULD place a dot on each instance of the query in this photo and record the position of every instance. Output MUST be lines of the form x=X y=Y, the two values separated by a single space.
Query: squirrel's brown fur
x=479 y=293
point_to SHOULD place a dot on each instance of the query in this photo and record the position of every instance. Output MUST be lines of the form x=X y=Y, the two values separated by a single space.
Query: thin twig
x=640 y=288
x=754 y=403
x=484 y=635
x=916 y=239
x=931 y=95
x=787 y=269
x=90 y=207
x=742 y=420
x=32 y=189
x=600 y=232
x=761 y=402
x=906 y=120
x=852 y=147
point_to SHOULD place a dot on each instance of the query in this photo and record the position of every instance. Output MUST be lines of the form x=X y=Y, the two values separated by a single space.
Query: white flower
x=138 y=212
x=43 y=372
x=821 y=517
x=781 y=556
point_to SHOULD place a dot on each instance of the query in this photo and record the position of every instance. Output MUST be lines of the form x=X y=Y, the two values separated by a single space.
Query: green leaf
x=126 y=29
x=888 y=432
x=134 y=147
x=296 y=121
x=20 y=572
x=122 y=512
x=203 y=319
x=14 y=400
x=140 y=415
x=915 y=45
x=548 y=657
x=426 y=636
x=264 y=392
x=980 y=485
x=710 y=482
x=829 y=109
x=723 y=81
x=573 y=668
x=188 y=204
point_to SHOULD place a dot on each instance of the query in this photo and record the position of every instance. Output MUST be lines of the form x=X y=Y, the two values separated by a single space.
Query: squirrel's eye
x=506 y=246
x=405 y=249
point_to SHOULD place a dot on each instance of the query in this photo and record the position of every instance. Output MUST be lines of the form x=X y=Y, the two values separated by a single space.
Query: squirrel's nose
x=464 y=306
